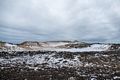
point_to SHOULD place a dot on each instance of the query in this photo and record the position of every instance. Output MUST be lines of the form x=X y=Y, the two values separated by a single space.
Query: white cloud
x=60 y=19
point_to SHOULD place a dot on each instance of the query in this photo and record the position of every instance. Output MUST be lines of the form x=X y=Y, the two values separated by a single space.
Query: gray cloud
x=89 y=20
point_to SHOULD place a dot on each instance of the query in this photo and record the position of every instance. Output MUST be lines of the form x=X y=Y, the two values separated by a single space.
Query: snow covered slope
x=94 y=47
x=12 y=47
x=56 y=46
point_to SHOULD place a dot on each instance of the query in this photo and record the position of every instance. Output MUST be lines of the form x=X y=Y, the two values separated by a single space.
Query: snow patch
x=94 y=47
x=43 y=59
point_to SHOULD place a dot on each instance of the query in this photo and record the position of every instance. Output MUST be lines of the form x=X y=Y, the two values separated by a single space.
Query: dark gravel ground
x=106 y=67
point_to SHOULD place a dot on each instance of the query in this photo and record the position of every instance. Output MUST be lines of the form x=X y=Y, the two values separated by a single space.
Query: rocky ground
x=53 y=65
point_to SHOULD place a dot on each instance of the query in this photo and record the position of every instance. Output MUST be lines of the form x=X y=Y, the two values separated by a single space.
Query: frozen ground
x=51 y=60
x=53 y=65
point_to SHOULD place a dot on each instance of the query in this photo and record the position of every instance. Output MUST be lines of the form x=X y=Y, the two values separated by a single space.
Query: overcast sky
x=44 y=20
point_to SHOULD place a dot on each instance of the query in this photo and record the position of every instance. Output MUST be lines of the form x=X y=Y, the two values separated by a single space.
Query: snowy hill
x=93 y=47
x=68 y=46
x=11 y=47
